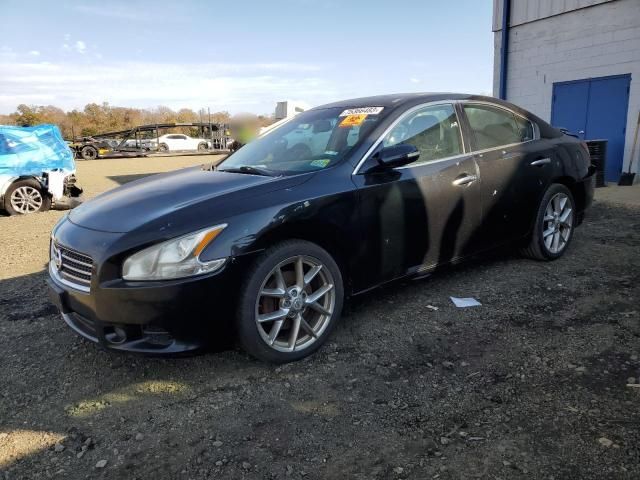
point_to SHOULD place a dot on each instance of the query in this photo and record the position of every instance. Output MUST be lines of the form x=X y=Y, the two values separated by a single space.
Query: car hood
x=173 y=198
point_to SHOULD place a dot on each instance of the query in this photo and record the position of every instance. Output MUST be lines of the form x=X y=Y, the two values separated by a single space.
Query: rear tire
x=26 y=196
x=202 y=147
x=286 y=316
x=89 y=152
x=554 y=225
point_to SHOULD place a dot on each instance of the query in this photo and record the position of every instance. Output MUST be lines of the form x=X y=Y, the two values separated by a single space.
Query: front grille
x=72 y=267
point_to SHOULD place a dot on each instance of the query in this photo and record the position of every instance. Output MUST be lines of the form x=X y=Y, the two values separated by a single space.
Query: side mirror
x=394 y=156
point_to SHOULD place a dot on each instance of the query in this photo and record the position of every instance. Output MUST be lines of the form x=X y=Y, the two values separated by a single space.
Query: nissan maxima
x=339 y=200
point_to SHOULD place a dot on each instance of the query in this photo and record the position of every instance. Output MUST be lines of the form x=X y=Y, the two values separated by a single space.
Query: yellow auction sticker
x=352 y=120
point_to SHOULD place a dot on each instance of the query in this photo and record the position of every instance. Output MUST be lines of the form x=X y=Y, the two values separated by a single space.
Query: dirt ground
x=538 y=382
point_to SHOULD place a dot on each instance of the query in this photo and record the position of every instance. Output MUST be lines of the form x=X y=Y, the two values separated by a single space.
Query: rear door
x=424 y=213
x=515 y=167
x=178 y=142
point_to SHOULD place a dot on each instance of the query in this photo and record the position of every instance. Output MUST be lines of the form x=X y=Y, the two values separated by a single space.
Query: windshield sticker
x=352 y=121
x=320 y=163
x=330 y=152
x=361 y=111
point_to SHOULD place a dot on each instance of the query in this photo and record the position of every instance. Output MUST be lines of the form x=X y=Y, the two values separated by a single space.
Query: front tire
x=290 y=302
x=26 y=196
x=203 y=147
x=554 y=225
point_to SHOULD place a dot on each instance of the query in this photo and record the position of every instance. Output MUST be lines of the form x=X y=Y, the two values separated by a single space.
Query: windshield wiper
x=249 y=170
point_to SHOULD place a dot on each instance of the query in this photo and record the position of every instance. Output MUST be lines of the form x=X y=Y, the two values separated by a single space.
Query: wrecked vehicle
x=37 y=171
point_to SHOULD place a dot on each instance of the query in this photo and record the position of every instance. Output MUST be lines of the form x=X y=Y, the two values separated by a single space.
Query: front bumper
x=151 y=317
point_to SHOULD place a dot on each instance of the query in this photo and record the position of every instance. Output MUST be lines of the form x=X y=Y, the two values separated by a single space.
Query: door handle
x=465 y=180
x=540 y=162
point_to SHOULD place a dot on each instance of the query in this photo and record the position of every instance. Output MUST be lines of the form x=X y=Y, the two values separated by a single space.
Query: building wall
x=525 y=11
x=591 y=41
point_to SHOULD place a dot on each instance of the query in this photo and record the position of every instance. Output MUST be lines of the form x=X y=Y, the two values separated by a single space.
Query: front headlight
x=174 y=258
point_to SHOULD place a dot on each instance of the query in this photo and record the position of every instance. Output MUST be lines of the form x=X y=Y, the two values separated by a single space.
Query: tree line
x=95 y=118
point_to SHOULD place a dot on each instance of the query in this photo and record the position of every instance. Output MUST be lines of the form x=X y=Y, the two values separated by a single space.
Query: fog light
x=116 y=335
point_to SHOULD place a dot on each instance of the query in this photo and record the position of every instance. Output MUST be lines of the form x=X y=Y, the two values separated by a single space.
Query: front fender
x=329 y=219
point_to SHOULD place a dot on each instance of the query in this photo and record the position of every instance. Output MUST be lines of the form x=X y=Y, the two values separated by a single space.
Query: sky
x=238 y=56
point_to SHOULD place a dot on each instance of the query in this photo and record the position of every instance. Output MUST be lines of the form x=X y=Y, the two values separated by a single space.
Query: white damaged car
x=37 y=170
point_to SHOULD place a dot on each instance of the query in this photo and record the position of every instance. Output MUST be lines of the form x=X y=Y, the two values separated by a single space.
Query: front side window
x=494 y=127
x=433 y=130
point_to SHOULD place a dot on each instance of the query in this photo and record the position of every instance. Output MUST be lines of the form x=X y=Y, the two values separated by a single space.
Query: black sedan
x=337 y=201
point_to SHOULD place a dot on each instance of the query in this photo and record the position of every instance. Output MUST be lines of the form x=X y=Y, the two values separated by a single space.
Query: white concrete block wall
x=596 y=41
x=523 y=11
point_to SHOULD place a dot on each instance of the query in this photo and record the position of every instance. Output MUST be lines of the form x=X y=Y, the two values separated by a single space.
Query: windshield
x=313 y=140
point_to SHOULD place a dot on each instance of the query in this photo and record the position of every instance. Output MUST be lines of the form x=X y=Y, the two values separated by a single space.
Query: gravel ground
x=532 y=384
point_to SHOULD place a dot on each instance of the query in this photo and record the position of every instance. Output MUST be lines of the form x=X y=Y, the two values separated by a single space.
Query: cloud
x=234 y=87
x=80 y=47
x=34 y=53
x=414 y=80
x=127 y=11
x=7 y=53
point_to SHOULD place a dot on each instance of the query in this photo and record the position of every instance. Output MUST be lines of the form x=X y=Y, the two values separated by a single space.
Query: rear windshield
x=312 y=140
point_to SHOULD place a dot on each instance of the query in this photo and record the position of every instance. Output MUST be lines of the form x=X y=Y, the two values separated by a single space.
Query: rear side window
x=525 y=128
x=494 y=127
x=433 y=130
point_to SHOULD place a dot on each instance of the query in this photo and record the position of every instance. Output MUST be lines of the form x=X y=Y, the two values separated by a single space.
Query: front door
x=423 y=214
x=595 y=109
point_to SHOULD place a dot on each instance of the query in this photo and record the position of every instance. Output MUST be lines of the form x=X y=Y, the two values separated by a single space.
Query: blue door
x=569 y=109
x=595 y=109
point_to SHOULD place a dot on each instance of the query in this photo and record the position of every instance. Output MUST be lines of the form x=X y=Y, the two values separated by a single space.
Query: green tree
x=27 y=116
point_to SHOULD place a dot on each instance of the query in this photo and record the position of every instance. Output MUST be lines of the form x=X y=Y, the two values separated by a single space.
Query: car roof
x=397 y=99
x=407 y=100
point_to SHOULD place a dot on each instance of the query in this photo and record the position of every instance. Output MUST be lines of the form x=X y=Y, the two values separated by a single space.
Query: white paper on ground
x=465 y=302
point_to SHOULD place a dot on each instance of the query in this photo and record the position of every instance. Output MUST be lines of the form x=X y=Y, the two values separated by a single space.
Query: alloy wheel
x=295 y=304
x=557 y=223
x=26 y=199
